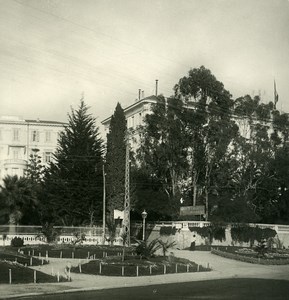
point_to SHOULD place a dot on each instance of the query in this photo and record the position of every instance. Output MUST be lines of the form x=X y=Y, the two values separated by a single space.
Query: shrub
x=147 y=250
x=79 y=238
x=247 y=234
x=17 y=242
x=49 y=232
x=168 y=230
x=215 y=231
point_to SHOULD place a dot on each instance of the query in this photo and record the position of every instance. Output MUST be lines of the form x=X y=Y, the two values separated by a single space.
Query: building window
x=47 y=157
x=35 y=136
x=15 y=154
x=15 y=134
x=47 y=136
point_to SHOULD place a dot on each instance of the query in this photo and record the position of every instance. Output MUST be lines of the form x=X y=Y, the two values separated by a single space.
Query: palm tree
x=18 y=197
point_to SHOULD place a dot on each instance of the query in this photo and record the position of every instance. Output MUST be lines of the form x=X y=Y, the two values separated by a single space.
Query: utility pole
x=103 y=207
x=126 y=215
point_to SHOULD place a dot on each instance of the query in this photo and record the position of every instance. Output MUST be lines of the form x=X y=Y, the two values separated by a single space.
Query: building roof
x=20 y=120
x=149 y=99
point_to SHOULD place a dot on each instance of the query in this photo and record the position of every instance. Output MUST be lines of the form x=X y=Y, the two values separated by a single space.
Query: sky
x=54 y=52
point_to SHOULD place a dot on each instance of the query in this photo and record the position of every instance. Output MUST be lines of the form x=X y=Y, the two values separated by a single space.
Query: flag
x=276 y=96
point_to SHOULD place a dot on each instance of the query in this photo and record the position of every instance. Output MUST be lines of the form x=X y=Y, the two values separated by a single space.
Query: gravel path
x=221 y=268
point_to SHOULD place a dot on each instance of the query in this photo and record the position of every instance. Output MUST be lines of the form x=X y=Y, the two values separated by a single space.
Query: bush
x=17 y=242
x=168 y=230
x=215 y=231
x=49 y=232
x=247 y=234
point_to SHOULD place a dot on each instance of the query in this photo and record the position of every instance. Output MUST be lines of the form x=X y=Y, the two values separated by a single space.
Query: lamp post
x=103 y=207
x=144 y=215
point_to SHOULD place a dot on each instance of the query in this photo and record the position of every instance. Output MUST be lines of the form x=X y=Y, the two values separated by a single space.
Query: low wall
x=184 y=236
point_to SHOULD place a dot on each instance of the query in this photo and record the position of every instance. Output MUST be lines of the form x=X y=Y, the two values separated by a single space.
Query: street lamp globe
x=144 y=214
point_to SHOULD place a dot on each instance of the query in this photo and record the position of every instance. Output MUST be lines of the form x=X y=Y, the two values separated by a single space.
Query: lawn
x=11 y=254
x=22 y=274
x=134 y=266
x=71 y=251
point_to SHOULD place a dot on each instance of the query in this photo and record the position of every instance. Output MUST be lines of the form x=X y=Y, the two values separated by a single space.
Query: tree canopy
x=73 y=183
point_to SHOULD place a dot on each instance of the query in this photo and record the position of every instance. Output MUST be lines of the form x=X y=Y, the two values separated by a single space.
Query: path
x=222 y=268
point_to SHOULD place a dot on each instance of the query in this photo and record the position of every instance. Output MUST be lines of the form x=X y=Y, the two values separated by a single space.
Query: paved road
x=222 y=268
x=231 y=289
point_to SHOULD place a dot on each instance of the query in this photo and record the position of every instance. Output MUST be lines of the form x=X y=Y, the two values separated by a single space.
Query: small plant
x=111 y=227
x=79 y=238
x=165 y=246
x=124 y=236
x=17 y=242
x=261 y=248
x=147 y=250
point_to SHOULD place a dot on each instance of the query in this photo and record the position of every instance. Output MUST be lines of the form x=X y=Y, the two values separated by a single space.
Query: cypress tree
x=115 y=161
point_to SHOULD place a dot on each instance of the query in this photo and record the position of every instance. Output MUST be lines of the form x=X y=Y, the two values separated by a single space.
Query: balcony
x=15 y=163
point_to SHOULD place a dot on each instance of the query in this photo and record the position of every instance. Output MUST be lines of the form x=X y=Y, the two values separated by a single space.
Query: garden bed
x=11 y=254
x=70 y=251
x=13 y=272
x=251 y=257
x=134 y=266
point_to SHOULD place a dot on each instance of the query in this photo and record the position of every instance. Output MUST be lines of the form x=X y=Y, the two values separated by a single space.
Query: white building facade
x=134 y=114
x=20 y=137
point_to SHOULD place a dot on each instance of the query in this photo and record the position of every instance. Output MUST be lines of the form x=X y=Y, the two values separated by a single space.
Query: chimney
x=157 y=87
x=139 y=91
x=142 y=94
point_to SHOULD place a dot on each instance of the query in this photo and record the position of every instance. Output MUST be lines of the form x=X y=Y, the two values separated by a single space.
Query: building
x=134 y=114
x=19 y=138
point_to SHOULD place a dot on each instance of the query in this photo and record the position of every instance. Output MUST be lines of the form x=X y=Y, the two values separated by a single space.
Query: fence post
x=122 y=270
x=150 y=270
x=188 y=268
x=100 y=268
x=176 y=268
x=58 y=276
x=10 y=276
x=136 y=270
x=198 y=268
x=79 y=266
x=165 y=269
x=31 y=261
x=60 y=255
x=72 y=254
x=34 y=277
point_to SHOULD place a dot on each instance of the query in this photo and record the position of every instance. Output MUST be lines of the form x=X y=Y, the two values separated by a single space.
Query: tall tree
x=163 y=148
x=115 y=160
x=210 y=128
x=73 y=183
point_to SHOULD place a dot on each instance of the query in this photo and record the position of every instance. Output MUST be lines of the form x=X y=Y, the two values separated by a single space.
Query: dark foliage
x=17 y=242
x=74 y=182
